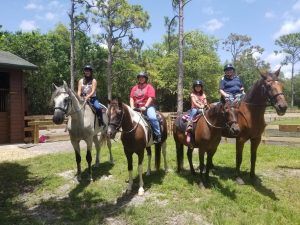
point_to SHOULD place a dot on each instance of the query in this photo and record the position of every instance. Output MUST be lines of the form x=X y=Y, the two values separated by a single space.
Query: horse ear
x=263 y=74
x=277 y=72
x=54 y=87
x=108 y=101
x=65 y=86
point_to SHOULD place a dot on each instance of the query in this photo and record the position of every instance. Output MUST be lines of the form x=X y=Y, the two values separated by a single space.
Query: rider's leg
x=98 y=109
x=189 y=125
x=154 y=122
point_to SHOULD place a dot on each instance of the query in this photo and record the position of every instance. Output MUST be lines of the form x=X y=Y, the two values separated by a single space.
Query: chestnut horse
x=136 y=135
x=207 y=135
x=265 y=91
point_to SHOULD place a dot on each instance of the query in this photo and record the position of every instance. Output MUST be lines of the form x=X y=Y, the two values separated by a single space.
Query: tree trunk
x=180 y=62
x=72 y=41
x=109 y=69
x=292 y=86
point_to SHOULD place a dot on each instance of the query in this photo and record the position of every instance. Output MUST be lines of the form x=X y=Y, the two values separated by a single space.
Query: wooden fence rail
x=35 y=124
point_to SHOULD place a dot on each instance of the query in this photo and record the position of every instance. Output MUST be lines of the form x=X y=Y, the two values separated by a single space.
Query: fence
x=36 y=126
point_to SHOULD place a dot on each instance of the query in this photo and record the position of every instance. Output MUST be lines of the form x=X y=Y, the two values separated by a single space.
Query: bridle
x=66 y=109
x=119 y=125
x=270 y=99
x=228 y=124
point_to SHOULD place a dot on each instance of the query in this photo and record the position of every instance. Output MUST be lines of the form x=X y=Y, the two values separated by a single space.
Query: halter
x=118 y=126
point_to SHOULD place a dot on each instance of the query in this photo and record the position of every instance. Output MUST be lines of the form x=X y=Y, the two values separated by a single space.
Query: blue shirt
x=231 y=86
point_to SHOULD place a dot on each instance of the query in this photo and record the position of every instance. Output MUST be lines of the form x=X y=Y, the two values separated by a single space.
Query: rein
x=217 y=127
x=118 y=126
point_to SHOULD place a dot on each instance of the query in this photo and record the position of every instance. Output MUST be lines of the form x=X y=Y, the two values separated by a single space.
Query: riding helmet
x=197 y=82
x=229 y=67
x=142 y=74
x=88 y=67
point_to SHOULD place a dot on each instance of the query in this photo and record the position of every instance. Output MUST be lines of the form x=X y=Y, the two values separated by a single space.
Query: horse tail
x=157 y=156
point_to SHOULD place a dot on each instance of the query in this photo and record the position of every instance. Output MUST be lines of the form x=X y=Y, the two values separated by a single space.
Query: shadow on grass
x=15 y=181
x=226 y=173
x=82 y=207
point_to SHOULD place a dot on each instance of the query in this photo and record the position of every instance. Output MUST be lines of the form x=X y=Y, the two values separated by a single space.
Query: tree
x=236 y=44
x=117 y=19
x=179 y=5
x=76 y=21
x=290 y=45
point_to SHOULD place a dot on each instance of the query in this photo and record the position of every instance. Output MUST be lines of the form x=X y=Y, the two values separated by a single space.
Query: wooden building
x=12 y=97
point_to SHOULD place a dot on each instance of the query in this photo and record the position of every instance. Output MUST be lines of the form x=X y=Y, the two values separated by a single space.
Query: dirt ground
x=24 y=151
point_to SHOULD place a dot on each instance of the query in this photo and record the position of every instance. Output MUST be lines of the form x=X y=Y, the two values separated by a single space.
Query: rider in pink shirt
x=142 y=96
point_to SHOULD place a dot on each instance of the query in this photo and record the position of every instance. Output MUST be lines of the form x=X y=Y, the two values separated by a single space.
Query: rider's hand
x=143 y=108
x=226 y=95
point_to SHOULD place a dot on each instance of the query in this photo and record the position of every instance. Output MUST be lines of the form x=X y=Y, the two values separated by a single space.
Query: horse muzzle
x=58 y=117
x=234 y=129
x=281 y=108
x=111 y=134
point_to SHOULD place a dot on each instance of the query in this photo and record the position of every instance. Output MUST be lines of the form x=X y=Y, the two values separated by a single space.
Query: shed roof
x=9 y=60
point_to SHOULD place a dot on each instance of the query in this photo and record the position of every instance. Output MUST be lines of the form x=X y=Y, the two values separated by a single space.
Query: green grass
x=289 y=121
x=33 y=192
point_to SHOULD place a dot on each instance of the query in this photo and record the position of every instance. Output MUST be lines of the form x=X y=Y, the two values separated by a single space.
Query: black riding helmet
x=88 y=67
x=143 y=74
x=197 y=82
x=229 y=67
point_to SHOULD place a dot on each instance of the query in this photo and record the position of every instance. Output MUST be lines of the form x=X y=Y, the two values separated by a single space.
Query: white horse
x=82 y=124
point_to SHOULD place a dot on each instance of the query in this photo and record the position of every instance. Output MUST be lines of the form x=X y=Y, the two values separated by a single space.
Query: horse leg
x=108 y=143
x=179 y=155
x=98 y=149
x=202 y=167
x=149 y=160
x=140 y=169
x=157 y=156
x=164 y=152
x=190 y=158
x=88 y=157
x=254 y=145
x=239 y=157
x=76 y=147
x=129 y=165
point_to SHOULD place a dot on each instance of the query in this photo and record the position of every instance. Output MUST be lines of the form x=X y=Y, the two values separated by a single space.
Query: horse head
x=115 y=117
x=272 y=88
x=230 y=112
x=61 y=100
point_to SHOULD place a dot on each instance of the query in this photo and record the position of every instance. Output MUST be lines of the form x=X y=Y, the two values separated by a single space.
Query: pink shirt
x=140 y=94
x=200 y=99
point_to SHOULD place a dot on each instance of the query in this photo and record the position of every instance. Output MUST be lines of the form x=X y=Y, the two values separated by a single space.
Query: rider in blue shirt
x=231 y=87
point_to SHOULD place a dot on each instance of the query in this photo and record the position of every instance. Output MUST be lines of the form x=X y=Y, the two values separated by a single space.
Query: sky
x=262 y=20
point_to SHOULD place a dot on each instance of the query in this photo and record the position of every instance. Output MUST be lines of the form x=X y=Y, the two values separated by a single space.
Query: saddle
x=160 y=121
x=97 y=115
x=182 y=121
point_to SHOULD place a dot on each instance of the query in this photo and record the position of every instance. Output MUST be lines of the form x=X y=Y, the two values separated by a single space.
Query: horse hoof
x=141 y=191
x=239 y=181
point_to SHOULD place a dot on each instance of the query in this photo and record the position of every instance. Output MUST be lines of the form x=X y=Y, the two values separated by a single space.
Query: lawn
x=43 y=190
x=288 y=121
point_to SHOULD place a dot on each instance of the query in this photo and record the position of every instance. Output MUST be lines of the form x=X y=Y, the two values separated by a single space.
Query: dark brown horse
x=136 y=136
x=265 y=91
x=207 y=135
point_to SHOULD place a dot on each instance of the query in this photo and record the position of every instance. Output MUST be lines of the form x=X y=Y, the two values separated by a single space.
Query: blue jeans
x=97 y=105
x=236 y=97
x=150 y=112
x=193 y=113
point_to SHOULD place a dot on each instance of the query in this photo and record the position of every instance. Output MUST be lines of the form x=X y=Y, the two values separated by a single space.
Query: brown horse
x=250 y=115
x=207 y=135
x=136 y=135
